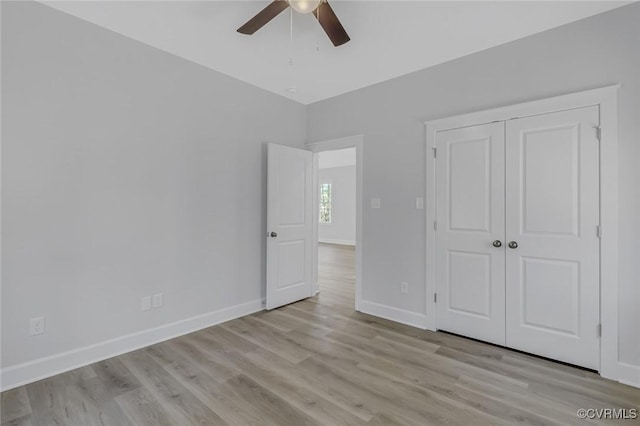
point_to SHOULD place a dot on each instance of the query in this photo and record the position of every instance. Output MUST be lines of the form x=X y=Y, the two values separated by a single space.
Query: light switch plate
x=420 y=203
x=375 y=203
x=156 y=302
x=145 y=303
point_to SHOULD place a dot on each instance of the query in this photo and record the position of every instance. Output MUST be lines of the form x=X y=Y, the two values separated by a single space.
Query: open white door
x=289 y=225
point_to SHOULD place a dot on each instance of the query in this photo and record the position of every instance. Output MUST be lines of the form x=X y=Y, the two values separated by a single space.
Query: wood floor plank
x=20 y=421
x=142 y=409
x=331 y=350
x=207 y=358
x=522 y=397
x=115 y=377
x=294 y=311
x=213 y=393
x=340 y=392
x=222 y=339
x=45 y=395
x=410 y=401
x=318 y=362
x=552 y=382
x=15 y=404
x=301 y=397
x=286 y=385
x=385 y=419
x=268 y=338
x=272 y=409
x=180 y=404
x=277 y=320
x=86 y=404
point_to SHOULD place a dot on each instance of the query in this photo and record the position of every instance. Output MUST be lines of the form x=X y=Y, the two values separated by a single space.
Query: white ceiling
x=388 y=38
x=337 y=158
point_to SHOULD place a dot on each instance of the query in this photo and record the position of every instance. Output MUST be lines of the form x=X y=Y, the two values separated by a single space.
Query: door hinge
x=435 y=225
x=599 y=330
x=599 y=231
x=599 y=132
x=435 y=152
x=435 y=297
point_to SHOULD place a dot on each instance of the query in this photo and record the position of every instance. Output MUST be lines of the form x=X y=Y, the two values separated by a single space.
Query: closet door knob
x=513 y=245
x=497 y=243
x=273 y=234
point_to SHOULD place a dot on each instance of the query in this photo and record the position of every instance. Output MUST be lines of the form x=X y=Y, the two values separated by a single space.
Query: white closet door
x=552 y=214
x=470 y=217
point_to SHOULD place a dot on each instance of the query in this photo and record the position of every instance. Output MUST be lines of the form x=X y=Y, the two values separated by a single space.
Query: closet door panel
x=552 y=214
x=470 y=217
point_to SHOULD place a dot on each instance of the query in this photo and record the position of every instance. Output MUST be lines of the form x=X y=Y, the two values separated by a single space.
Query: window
x=325 y=203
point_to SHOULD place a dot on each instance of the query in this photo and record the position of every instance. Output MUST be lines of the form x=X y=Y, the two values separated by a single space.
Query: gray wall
x=342 y=229
x=595 y=52
x=126 y=171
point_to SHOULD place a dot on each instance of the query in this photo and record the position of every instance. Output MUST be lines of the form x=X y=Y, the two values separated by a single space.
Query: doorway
x=336 y=205
x=338 y=220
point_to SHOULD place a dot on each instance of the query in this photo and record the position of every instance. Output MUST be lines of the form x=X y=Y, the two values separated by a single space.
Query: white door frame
x=356 y=142
x=607 y=99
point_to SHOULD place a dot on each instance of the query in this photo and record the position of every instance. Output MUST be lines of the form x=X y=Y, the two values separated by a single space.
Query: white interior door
x=470 y=218
x=552 y=215
x=289 y=225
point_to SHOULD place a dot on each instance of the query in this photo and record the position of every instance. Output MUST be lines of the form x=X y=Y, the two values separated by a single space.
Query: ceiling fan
x=320 y=9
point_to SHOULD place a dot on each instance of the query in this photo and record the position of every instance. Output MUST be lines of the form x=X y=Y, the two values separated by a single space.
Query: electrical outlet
x=375 y=203
x=404 y=287
x=36 y=326
x=145 y=304
x=157 y=300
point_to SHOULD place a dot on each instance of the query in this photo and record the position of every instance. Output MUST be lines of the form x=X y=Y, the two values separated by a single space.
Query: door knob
x=497 y=243
x=513 y=244
x=273 y=234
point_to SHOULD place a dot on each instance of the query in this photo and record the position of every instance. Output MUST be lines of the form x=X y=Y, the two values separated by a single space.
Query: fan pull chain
x=318 y=24
x=291 y=37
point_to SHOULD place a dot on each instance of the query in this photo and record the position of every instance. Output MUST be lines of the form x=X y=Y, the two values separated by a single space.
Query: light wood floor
x=317 y=362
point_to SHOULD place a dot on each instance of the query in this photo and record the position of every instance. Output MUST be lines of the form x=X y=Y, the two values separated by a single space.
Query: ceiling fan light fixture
x=320 y=8
x=304 y=6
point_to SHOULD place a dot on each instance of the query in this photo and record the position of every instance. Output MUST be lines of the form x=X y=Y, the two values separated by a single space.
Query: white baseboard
x=629 y=374
x=335 y=241
x=42 y=368
x=413 y=319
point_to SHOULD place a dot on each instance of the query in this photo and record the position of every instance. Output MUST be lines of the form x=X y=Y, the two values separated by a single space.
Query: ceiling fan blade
x=265 y=15
x=330 y=24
